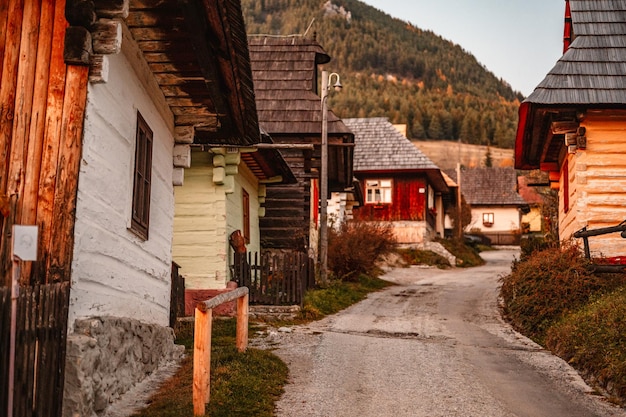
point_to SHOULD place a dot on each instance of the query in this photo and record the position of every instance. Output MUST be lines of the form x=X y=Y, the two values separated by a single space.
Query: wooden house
x=496 y=206
x=285 y=73
x=101 y=104
x=400 y=184
x=224 y=194
x=572 y=125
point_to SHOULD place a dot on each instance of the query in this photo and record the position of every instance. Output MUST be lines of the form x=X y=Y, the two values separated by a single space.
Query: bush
x=551 y=283
x=532 y=243
x=356 y=247
x=593 y=340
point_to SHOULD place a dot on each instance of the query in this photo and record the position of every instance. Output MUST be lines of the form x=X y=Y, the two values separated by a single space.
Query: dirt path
x=433 y=345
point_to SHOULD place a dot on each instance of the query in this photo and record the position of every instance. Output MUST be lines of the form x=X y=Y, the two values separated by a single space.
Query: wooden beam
x=78 y=47
x=112 y=8
x=99 y=69
x=106 y=36
x=80 y=13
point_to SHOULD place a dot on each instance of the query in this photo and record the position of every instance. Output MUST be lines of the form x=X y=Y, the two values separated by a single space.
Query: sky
x=517 y=40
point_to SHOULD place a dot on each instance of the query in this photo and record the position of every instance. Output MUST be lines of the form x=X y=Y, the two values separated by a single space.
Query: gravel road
x=432 y=345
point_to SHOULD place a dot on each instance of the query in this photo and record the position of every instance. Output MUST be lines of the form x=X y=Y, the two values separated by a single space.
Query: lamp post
x=326 y=79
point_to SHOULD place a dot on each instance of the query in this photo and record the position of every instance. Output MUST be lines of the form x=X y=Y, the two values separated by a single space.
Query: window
x=143 y=172
x=488 y=219
x=378 y=191
x=246 y=215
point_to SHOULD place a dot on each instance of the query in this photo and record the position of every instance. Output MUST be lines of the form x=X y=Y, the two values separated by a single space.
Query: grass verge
x=242 y=384
x=247 y=384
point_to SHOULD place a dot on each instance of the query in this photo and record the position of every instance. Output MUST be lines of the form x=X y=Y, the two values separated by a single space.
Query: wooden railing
x=202 y=342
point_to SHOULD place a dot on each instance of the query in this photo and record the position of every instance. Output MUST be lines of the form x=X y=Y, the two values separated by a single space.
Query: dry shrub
x=549 y=284
x=356 y=247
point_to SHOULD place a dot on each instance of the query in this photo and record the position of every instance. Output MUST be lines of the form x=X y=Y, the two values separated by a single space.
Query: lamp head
x=337 y=86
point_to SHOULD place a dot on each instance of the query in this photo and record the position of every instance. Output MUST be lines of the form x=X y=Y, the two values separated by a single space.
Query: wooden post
x=202 y=342
x=202 y=360
x=242 y=323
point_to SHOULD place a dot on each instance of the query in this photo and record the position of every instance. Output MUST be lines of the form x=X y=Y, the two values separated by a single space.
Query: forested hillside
x=391 y=68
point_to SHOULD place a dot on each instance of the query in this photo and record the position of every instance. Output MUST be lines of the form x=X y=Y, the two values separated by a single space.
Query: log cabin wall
x=597 y=183
x=42 y=107
x=287 y=215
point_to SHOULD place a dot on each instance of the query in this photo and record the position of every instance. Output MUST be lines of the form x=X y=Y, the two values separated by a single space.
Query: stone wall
x=107 y=356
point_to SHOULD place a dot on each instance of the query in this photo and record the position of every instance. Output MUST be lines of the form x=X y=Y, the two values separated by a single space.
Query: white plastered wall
x=114 y=272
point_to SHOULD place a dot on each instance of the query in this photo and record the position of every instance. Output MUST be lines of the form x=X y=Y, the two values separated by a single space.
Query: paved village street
x=433 y=345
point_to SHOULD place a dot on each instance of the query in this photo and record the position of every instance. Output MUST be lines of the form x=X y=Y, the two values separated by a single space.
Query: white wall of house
x=206 y=214
x=114 y=272
x=505 y=219
x=597 y=183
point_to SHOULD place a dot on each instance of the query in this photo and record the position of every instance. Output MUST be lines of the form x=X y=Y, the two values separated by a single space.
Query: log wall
x=41 y=118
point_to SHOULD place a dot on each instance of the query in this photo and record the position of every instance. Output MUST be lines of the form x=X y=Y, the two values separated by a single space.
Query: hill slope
x=394 y=69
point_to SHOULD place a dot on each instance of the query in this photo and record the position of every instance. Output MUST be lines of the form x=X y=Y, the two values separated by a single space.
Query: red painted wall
x=407 y=201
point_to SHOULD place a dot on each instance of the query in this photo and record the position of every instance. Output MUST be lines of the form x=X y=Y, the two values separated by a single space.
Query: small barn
x=572 y=125
x=399 y=183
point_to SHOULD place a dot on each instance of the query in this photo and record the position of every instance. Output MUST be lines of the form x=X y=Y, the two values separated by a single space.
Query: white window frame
x=379 y=191
x=488 y=219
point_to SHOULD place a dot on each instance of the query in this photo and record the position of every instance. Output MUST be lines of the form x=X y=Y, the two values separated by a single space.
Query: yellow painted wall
x=206 y=214
x=597 y=182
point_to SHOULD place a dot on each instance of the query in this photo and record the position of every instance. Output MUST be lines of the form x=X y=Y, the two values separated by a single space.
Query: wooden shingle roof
x=593 y=69
x=198 y=53
x=490 y=187
x=591 y=74
x=380 y=147
x=284 y=70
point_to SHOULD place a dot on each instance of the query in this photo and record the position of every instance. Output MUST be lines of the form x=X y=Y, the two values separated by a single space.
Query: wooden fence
x=40 y=349
x=275 y=278
x=202 y=342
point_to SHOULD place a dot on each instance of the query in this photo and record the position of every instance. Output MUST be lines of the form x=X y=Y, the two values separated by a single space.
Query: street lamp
x=326 y=79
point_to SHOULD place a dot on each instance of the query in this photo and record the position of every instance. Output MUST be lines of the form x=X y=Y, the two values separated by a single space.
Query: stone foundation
x=107 y=356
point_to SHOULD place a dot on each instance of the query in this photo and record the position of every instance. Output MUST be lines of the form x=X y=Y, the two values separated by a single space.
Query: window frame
x=379 y=187
x=142 y=179
x=489 y=219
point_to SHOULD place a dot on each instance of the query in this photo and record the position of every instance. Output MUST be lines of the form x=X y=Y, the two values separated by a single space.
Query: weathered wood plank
x=8 y=86
x=38 y=114
x=52 y=137
x=74 y=104
x=4 y=17
x=20 y=134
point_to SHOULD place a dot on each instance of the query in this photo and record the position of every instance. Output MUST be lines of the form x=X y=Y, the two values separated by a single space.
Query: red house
x=400 y=184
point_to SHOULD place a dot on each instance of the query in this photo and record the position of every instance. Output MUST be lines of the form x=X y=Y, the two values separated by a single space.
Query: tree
x=488 y=158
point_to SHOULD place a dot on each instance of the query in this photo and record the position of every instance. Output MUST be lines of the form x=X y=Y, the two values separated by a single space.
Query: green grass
x=242 y=384
x=338 y=295
x=247 y=384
